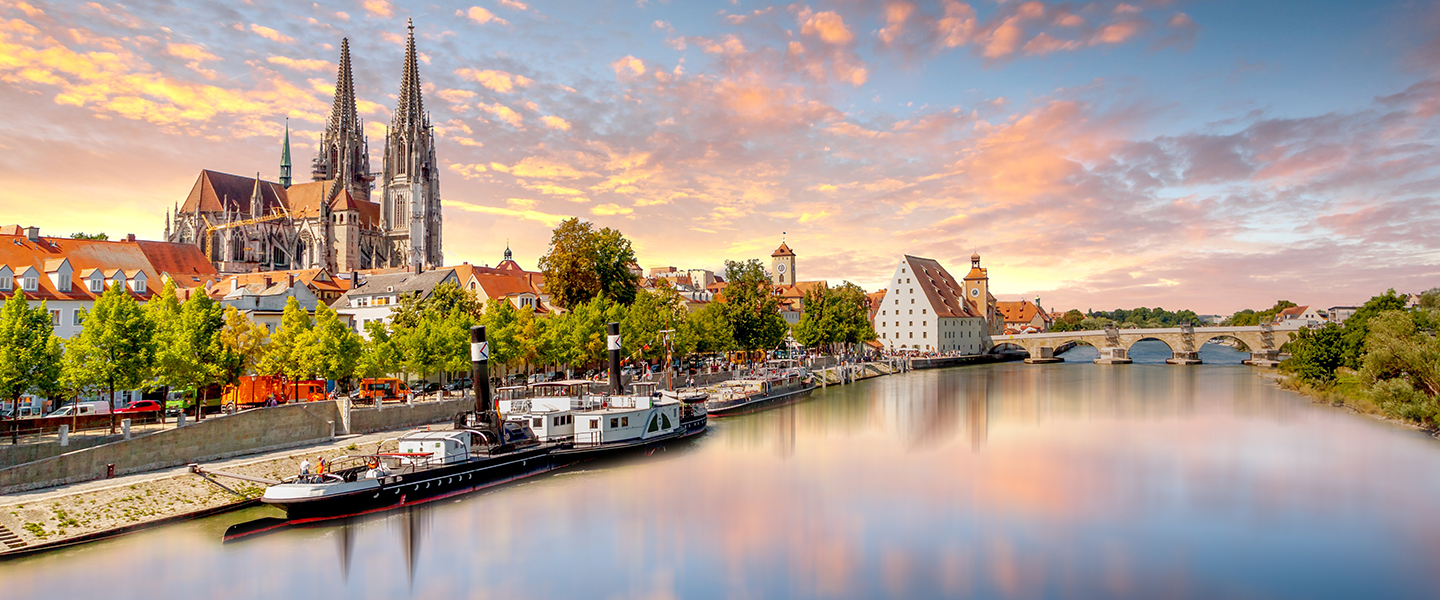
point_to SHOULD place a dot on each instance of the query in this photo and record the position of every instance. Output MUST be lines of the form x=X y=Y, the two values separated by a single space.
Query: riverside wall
x=247 y=432
x=30 y=452
x=397 y=416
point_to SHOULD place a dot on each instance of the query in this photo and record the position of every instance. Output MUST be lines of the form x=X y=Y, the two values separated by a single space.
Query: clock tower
x=782 y=266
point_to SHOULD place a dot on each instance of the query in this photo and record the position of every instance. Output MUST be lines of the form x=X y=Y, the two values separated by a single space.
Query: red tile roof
x=945 y=294
x=183 y=262
x=783 y=250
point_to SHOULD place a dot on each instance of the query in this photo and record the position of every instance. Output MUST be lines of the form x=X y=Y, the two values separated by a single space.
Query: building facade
x=245 y=224
x=926 y=309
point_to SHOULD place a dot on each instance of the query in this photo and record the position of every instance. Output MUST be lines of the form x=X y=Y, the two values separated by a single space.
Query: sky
x=1207 y=155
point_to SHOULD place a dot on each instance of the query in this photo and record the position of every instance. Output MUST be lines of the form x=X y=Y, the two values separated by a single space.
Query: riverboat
x=556 y=425
x=779 y=382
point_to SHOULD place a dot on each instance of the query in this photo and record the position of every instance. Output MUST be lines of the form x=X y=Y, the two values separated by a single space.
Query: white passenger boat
x=777 y=382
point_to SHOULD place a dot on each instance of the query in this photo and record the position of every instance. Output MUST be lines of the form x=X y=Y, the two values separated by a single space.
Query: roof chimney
x=234 y=283
x=354 y=279
x=266 y=279
x=290 y=280
x=419 y=268
x=32 y=234
x=129 y=237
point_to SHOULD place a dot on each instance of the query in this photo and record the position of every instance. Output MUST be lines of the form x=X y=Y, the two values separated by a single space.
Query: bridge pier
x=1184 y=358
x=1043 y=355
x=1113 y=356
x=1264 y=358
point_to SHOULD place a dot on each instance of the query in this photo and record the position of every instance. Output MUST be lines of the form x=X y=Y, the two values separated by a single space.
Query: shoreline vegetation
x=1384 y=361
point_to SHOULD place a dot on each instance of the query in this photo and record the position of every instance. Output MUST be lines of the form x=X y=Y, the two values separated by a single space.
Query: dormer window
x=97 y=285
x=7 y=283
x=139 y=286
x=64 y=284
x=30 y=284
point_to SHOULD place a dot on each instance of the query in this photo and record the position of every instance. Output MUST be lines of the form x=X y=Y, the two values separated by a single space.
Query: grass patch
x=37 y=530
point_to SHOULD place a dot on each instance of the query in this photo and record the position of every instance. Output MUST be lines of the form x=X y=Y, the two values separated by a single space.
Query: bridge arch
x=1129 y=344
x=1008 y=346
x=1244 y=346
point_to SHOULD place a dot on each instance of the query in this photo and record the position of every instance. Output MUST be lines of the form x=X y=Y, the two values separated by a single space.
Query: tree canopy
x=585 y=263
x=30 y=353
x=751 y=306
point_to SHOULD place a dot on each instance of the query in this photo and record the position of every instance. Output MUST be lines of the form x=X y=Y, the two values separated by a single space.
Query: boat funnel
x=612 y=341
x=480 y=369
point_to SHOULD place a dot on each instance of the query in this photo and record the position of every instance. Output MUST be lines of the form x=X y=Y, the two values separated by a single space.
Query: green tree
x=80 y=235
x=379 y=355
x=654 y=312
x=114 y=349
x=190 y=352
x=243 y=342
x=333 y=349
x=752 y=307
x=286 y=353
x=1251 y=318
x=1402 y=367
x=583 y=263
x=1315 y=354
x=30 y=353
x=710 y=329
x=1357 y=326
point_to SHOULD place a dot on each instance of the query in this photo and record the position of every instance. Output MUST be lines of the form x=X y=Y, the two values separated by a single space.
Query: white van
x=84 y=408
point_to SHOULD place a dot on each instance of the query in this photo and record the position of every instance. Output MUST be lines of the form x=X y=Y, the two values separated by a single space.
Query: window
x=594 y=423
x=912 y=334
x=624 y=421
x=63 y=284
x=924 y=334
x=139 y=286
x=79 y=317
x=537 y=422
x=922 y=311
x=31 y=284
x=912 y=300
x=922 y=323
x=54 y=318
x=912 y=323
x=897 y=300
x=6 y=282
x=97 y=285
x=614 y=422
x=912 y=311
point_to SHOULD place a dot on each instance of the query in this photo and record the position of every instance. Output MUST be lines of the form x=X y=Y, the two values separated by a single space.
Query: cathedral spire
x=342 y=111
x=410 y=112
x=285 y=158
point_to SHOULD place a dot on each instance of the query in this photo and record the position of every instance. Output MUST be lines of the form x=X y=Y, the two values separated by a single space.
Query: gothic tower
x=410 y=212
x=285 y=158
x=344 y=157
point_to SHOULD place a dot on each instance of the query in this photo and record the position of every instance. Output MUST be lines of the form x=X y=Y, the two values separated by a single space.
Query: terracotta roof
x=799 y=289
x=783 y=250
x=216 y=192
x=155 y=259
x=945 y=294
x=306 y=198
x=1293 y=312
x=1023 y=311
x=509 y=265
x=12 y=230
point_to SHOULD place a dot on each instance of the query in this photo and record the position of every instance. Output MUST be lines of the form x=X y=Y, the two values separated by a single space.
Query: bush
x=1399 y=398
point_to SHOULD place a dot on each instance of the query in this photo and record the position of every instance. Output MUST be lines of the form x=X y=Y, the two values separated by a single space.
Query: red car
x=140 y=406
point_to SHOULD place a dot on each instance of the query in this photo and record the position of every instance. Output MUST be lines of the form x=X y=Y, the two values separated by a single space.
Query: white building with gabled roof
x=926 y=309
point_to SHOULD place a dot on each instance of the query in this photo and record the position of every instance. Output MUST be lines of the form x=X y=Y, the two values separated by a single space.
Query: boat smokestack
x=480 y=370
x=612 y=341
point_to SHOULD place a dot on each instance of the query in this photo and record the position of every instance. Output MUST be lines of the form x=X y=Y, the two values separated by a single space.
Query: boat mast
x=669 y=385
x=612 y=341
x=480 y=378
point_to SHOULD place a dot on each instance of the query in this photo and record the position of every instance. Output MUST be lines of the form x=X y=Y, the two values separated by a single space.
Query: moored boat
x=779 y=382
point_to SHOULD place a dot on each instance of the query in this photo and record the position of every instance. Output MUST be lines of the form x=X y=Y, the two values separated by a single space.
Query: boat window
x=594 y=423
x=624 y=421
x=654 y=423
x=665 y=420
x=538 y=422
x=614 y=422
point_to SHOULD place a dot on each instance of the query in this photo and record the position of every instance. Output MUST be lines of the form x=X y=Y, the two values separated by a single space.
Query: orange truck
x=383 y=388
x=255 y=390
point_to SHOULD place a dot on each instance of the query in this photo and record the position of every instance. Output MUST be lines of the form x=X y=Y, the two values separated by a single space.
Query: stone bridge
x=1114 y=344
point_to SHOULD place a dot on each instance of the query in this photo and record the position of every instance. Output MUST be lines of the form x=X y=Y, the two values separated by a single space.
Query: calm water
x=1005 y=481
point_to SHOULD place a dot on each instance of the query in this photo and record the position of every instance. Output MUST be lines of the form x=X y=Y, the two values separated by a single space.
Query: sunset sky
x=1206 y=155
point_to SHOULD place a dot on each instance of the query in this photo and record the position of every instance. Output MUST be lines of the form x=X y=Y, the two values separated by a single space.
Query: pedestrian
x=305 y=466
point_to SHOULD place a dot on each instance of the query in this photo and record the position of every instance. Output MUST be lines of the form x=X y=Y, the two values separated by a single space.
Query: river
x=1008 y=481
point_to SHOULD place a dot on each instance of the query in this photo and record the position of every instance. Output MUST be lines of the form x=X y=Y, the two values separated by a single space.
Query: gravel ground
x=55 y=514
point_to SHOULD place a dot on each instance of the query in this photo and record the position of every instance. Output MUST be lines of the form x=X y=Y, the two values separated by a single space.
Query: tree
x=285 y=354
x=80 y=235
x=190 y=352
x=583 y=263
x=652 y=313
x=710 y=330
x=30 y=353
x=243 y=342
x=1357 y=326
x=1251 y=318
x=114 y=349
x=1402 y=367
x=839 y=315
x=752 y=307
x=1315 y=354
x=379 y=354
x=333 y=349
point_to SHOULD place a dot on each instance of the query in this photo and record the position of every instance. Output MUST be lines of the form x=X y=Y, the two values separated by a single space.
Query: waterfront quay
x=995 y=480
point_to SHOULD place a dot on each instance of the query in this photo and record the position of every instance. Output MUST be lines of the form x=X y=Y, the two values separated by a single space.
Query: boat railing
x=589 y=439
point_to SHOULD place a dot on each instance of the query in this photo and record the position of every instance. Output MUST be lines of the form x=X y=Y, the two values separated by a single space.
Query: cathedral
x=245 y=224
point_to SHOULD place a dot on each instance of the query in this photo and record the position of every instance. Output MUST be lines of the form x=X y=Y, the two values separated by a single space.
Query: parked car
x=457 y=385
x=83 y=408
x=140 y=406
x=431 y=388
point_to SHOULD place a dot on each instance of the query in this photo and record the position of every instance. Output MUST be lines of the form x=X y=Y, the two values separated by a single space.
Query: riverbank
x=55 y=517
x=1340 y=396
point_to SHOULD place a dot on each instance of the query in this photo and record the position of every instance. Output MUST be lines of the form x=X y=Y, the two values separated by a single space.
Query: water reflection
x=1007 y=481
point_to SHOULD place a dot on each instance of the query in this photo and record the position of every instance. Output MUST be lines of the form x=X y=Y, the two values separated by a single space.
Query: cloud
x=828 y=25
x=546 y=219
x=502 y=112
x=455 y=96
x=555 y=122
x=605 y=210
x=498 y=81
x=299 y=64
x=480 y=15
x=378 y=8
x=271 y=34
x=630 y=65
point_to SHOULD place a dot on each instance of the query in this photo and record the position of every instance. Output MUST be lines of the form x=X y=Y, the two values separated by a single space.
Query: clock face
x=780 y=267
x=975 y=292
